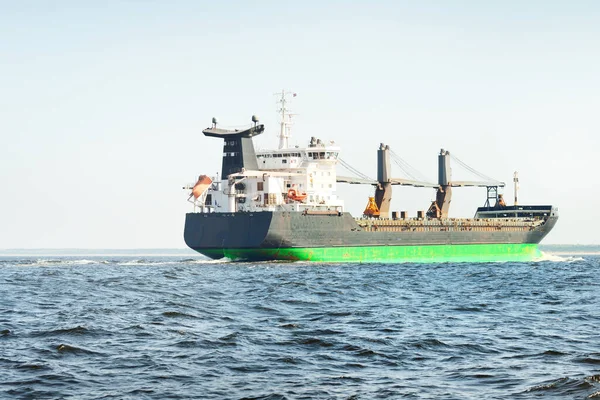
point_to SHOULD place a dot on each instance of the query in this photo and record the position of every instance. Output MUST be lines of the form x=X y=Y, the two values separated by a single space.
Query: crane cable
x=408 y=169
x=472 y=170
x=354 y=170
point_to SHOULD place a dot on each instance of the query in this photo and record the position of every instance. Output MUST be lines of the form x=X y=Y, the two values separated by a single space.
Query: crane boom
x=476 y=183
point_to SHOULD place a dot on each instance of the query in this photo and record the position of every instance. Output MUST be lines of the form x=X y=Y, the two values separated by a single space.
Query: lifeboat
x=201 y=186
x=294 y=195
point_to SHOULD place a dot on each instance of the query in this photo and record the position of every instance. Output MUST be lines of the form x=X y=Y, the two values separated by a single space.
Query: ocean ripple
x=155 y=327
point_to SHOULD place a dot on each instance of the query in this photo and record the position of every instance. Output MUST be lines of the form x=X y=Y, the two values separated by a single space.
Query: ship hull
x=263 y=236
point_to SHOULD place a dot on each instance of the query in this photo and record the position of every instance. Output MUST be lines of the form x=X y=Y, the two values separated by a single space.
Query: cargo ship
x=281 y=204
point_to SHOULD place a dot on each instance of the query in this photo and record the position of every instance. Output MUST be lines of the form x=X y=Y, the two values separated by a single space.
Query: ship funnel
x=238 y=149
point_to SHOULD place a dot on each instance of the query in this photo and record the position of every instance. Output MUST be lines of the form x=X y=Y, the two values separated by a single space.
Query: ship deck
x=449 y=225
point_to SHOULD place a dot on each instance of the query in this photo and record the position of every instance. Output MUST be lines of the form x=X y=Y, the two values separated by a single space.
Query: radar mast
x=286 y=119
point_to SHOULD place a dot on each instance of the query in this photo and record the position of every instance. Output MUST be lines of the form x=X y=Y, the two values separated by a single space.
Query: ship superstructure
x=286 y=179
x=282 y=204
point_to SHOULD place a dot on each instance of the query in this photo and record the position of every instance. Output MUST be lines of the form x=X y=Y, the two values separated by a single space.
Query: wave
x=44 y=262
x=70 y=331
x=569 y=386
x=177 y=314
x=210 y=261
x=557 y=257
x=142 y=262
x=65 y=348
x=179 y=262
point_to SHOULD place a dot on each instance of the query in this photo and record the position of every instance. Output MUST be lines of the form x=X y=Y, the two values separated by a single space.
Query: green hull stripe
x=388 y=254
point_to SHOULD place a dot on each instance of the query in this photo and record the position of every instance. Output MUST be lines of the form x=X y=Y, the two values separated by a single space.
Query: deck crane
x=440 y=206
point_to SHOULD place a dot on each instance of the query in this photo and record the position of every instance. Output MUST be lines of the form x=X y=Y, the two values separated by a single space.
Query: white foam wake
x=557 y=258
x=210 y=261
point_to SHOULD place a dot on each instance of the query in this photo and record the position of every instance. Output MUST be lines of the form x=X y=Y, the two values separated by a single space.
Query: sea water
x=116 y=325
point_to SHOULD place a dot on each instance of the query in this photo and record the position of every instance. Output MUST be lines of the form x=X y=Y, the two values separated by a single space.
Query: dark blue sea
x=178 y=326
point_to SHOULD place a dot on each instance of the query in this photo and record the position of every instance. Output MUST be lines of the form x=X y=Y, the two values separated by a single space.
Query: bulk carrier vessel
x=281 y=205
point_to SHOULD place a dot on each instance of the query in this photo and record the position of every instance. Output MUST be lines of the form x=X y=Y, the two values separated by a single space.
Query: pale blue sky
x=102 y=105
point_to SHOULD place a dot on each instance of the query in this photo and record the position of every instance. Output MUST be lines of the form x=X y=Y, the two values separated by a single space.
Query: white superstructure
x=287 y=179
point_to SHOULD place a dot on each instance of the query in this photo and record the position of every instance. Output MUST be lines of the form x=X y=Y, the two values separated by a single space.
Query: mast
x=284 y=132
x=516 y=182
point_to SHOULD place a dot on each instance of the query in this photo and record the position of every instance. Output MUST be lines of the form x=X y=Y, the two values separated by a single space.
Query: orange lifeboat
x=295 y=195
x=201 y=186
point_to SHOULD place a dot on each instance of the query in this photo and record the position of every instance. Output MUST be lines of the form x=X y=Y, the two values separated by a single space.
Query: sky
x=102 y=104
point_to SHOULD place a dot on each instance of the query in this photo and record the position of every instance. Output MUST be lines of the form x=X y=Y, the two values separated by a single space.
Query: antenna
x=516 y=182
x=286 y=123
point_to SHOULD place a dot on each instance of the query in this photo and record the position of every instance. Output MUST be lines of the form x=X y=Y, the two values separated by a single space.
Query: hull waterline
x=387 y=254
